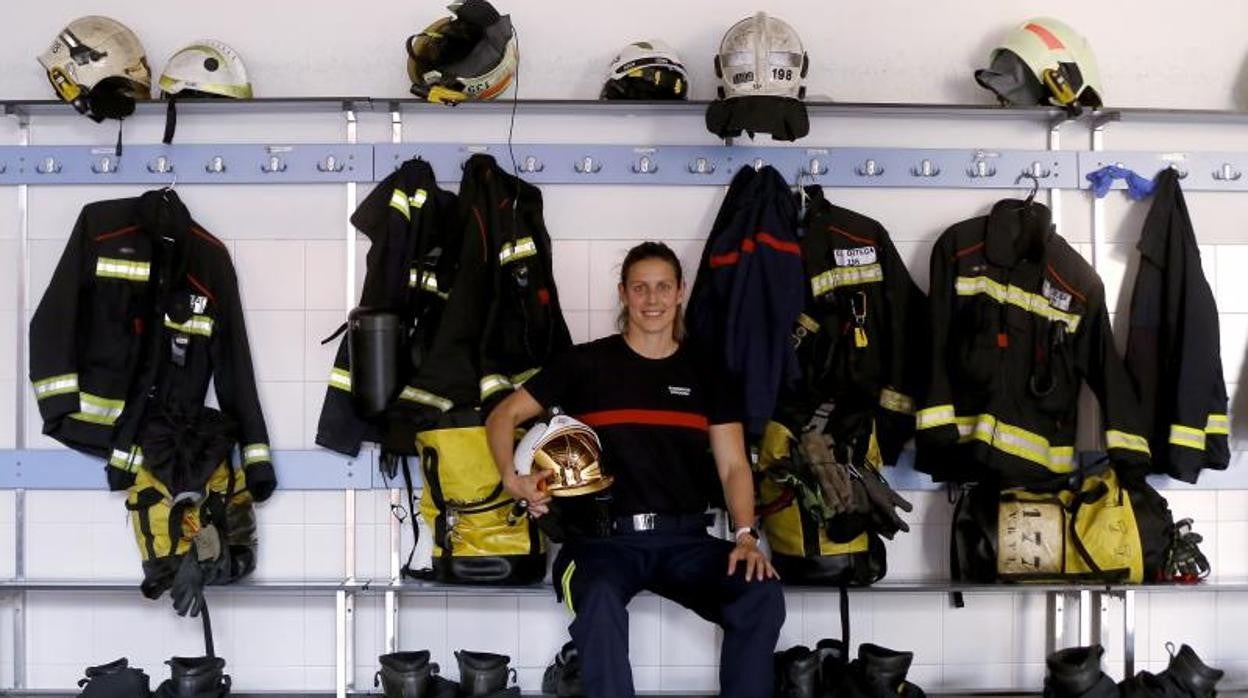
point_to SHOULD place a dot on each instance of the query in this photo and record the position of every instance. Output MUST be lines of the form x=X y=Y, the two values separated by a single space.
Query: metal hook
x=1227 y=173
x=981 y=169
x=645 y=165
x=870 y=168
x=1181 y=172
x=758 y=164
x=926 y=168
x=1035 y=185
x=331 y=164
x=274 y=165
x=49 y=165
x=216 y=165
x=1037 y=171
x=588 y=165
x=815 y=167
x=531 y=164
x=104 y=165
x=701 y=166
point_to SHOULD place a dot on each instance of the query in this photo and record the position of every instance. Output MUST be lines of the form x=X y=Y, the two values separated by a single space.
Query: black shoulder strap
x=844 y=594
x=412 y=513
x=955 y=562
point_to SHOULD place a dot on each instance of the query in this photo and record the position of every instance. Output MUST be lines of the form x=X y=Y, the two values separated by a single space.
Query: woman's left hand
x=757 y=566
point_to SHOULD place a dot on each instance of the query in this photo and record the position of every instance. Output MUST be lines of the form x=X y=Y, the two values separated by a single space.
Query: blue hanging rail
x=1198 y=171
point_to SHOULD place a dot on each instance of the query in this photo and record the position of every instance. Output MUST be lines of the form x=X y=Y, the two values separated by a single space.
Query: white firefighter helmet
x=1044 y=61
x=569 y=449
x=206 y=67
x=471 y=56
x=761 y=56
x=646 y=70
x=98 y=65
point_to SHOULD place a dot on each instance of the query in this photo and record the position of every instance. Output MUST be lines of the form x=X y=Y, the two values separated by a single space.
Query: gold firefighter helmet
x=98 y=65
x=569 y=449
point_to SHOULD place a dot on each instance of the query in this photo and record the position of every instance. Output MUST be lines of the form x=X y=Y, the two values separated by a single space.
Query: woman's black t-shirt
x=652 y=417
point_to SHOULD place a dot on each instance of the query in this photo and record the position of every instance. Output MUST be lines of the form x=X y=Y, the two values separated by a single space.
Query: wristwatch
x=746 y=530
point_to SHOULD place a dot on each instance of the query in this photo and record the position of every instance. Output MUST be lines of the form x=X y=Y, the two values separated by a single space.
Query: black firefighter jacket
x=502 y=321
x=1018 y=323
x=141 y=313
x=862 y=339
x=749 y=289
x=409 y=222
x=1173 y=349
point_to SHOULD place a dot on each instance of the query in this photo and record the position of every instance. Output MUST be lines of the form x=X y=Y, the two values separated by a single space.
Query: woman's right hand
x=531 y=488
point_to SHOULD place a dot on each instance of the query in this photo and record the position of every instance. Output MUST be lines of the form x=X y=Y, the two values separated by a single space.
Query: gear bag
x=809 y=543
x=476 y=539
x=1092 y=526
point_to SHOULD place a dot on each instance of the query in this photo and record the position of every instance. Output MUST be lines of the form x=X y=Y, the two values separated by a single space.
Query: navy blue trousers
x=597 y=579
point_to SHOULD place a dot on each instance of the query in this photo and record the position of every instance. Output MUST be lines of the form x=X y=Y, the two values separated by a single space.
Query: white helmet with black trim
x=471 y=56
x=646 y=70
x=98 y=65
x=761 y=65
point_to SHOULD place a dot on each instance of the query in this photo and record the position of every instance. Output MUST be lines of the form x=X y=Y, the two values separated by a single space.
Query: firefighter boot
x=563 y=676
x=405 y=674
x=882 y=672
x=195 y=677
x=1191 y=676
x=1075 y=672
x=797 y=673
x=482 y=673
x=833 y=658
x=115 y=680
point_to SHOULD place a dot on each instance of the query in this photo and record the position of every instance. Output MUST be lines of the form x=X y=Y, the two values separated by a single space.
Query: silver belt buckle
x=644 y=522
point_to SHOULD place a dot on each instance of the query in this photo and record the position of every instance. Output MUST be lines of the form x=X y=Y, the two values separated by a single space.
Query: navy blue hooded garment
x=749 y=289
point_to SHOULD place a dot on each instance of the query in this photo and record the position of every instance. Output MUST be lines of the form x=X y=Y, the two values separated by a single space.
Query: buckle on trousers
x=645 y=522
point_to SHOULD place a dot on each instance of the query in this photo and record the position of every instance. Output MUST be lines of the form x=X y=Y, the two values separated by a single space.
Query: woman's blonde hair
x=642 y=252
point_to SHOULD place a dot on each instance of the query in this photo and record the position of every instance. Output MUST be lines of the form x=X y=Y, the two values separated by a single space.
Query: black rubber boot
x=405 y=674
x=1191 y=676
x=884 y=667
x=482 y=673
x=1075 y=672
x=563 y=677
x=797 y=673
x=833 y=663
x=195 y=677
x=115 y=680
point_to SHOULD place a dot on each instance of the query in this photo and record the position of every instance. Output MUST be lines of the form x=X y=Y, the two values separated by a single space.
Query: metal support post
x=396 y=527
x=1128 y=633
x=1056 y=602
x=345 y=606
x=1055 y=193
x=1085 y=617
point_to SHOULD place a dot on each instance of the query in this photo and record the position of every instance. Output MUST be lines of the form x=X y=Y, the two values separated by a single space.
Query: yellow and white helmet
x=206 y=67
x=1044 y=61
x=472 y=56
x=98 y=65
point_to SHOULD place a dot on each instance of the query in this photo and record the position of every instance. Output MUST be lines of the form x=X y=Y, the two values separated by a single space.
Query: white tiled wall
x=288 y=247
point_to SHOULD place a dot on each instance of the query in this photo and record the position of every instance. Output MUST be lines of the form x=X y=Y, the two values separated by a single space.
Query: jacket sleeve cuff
x=261 y=480
x=56 y=407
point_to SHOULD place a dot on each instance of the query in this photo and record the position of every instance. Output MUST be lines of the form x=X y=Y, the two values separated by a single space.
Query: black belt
x=681 y=523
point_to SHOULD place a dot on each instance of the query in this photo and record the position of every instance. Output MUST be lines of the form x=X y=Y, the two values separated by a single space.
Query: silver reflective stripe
x=127 y=460
x=936 y=416
x=897 y=402
x=1187 y=436
x=1013 y=295
x=198 y=324
x=418 y=199
x=1217 y=424
x=128 y=269
x=492 y=384
x=1128 y=441
x=510 y=252
x=398 y=201
x=56 y=385
x=255 y=453
x=425 y=397
x=340 y=379
x=833 y=279
x=426 y=281
x=98 y=410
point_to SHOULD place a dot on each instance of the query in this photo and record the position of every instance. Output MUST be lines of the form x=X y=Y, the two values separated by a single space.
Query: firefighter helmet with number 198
x=98 y=65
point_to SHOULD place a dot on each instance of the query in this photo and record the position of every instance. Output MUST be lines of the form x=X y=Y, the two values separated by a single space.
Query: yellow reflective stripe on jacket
x=896 y=402
x=1188 y=437
x=1122 y=439
x=493 y=383
x=1016 y=441
x=198 y=324
x=935 y=416
x=1013 y=295
x=126 y=460
x=255 y=453
x=401 y=202
x=566 y=582
x=845 y=276
x=56 y=385
x=98 y=410
x=425 y=397
x=510 y=252
x=808 y=322
x=426 y=281
x=340 y=379
x=129 y=269
x=1218 y=424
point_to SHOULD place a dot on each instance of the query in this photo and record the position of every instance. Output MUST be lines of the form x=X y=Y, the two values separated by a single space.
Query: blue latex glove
x=1137 y=187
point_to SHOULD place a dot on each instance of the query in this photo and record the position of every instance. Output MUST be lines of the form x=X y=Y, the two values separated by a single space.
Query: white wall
x=286 y=241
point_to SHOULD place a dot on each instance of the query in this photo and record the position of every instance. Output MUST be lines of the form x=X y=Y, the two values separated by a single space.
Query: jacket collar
x=1017 y=231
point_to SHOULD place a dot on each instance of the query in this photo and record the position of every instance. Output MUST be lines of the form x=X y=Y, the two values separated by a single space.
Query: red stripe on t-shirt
x=658 y=418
